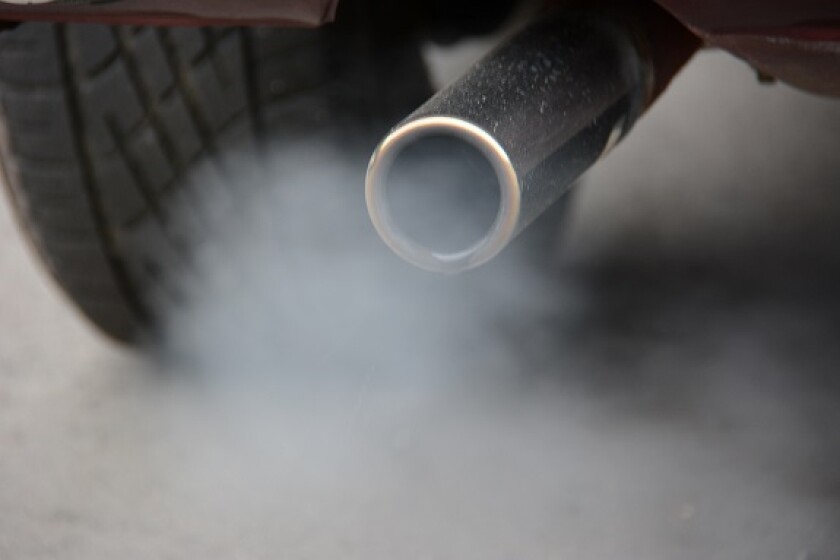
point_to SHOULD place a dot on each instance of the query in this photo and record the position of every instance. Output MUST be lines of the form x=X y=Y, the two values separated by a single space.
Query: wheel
x=102 y=126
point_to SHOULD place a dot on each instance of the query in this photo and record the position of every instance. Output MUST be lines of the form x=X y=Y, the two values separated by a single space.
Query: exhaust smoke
x=343 y=404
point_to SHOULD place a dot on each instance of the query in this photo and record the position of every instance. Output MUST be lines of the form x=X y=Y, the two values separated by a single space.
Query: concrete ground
x=671 y=390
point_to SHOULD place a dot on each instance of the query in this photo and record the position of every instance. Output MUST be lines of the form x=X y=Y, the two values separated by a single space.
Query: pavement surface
x=668 y=388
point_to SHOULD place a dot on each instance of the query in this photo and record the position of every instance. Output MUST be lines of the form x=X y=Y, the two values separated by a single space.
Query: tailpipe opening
x=443 y=194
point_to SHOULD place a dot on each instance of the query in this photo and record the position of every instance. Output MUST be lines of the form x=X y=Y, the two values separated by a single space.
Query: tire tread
x=103 y=128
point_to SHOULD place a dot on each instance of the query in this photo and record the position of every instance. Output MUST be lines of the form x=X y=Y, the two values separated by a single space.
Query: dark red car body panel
x=797 y=41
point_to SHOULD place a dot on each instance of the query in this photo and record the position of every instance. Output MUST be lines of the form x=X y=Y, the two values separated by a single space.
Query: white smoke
x=337 y=403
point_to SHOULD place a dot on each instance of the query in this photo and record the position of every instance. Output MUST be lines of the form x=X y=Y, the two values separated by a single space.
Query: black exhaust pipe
x=458 y=179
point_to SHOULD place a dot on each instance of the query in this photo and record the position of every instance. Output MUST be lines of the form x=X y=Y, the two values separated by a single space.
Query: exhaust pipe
x=458 y=179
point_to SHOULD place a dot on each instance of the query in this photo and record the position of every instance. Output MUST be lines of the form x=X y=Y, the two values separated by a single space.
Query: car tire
x=102 y=126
